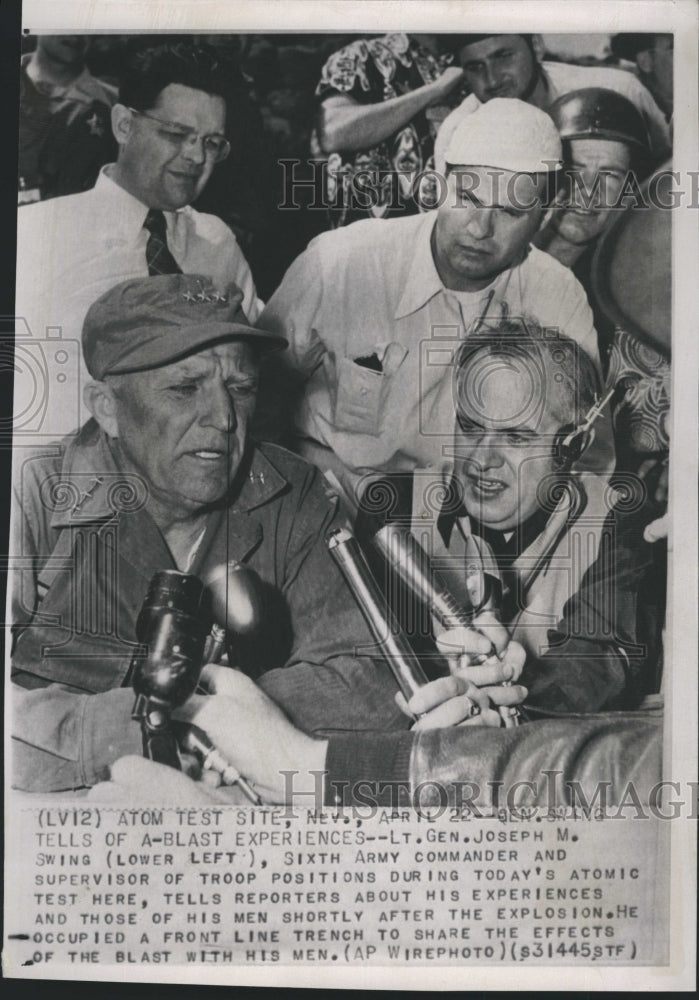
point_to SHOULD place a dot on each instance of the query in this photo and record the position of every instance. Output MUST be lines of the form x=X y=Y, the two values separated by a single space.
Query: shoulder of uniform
x=32 y=466
x=286 y=462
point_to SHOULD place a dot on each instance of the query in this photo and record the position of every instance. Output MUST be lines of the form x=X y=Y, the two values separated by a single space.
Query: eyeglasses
x=215 y=146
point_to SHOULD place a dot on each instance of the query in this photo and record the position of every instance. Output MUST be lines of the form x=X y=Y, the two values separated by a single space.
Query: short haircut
x=455 y=43
x=559 y=369
x=200 y=67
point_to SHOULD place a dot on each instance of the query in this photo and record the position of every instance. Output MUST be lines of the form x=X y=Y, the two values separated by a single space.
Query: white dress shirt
x=69 y=252
x=373 y=288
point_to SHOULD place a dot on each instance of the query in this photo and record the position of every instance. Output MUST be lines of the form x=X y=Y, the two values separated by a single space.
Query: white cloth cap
x=509 y=134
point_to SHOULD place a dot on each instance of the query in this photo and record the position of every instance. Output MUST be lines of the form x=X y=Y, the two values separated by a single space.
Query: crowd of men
x=437 y=359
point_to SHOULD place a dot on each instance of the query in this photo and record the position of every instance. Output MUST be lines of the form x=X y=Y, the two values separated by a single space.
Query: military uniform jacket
x=84 y=551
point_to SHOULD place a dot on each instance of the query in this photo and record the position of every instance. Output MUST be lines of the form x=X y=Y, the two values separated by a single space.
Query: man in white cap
x=374 y=312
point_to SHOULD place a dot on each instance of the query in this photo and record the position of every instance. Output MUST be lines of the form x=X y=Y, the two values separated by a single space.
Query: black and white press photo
x=351 y=584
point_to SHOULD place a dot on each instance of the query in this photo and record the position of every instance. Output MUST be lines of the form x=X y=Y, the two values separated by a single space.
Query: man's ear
x=100 y=400
x=121 y=123
x=538 y=47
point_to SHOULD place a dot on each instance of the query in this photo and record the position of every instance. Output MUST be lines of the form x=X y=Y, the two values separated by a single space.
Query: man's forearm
x=64 y=740
x=351 y=127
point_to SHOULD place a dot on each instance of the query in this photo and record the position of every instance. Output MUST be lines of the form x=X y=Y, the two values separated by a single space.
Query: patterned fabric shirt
x=371 y=71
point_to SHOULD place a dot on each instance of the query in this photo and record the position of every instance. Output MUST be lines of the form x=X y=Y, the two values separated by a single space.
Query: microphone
x=173 y=627
x=412 y=564
x=236 y=605
x=404 y=665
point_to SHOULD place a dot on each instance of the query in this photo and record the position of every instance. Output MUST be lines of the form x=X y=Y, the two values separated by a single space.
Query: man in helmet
x=513 y=66
x=604 y=138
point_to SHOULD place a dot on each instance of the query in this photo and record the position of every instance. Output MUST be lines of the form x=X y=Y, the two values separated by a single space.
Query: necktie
x=158 y=256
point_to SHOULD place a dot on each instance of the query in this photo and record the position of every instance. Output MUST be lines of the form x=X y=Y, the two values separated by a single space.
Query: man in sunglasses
x=170 y=124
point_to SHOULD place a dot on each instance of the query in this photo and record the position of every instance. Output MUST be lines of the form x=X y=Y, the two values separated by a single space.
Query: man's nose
x=492 y=76
x=486 y=452
x=480 y=223
x=588 y=189
x=219 y=410
x=193 y=149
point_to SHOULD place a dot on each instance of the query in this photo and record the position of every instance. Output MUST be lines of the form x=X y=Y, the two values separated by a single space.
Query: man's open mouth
x=487 y=488
x=209 y=455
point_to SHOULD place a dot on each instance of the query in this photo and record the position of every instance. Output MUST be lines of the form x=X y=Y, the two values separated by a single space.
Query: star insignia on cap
x=94 y=124
x=204 y=295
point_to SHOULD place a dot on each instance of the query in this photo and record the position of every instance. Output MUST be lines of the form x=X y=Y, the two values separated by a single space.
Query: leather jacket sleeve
x=552 y=762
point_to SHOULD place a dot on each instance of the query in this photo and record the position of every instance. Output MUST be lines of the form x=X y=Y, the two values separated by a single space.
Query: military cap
x=146 y=323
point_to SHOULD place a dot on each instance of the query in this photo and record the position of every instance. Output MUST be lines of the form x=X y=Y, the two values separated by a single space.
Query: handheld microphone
x=412 y=564
x=173 y=627
x=404 y=665
x=236 y=605
x=405 y=555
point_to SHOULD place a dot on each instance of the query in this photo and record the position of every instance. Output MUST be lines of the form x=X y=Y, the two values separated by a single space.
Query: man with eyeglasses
x=170 y=124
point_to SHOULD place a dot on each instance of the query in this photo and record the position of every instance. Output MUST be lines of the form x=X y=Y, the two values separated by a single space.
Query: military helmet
x=598 y=113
